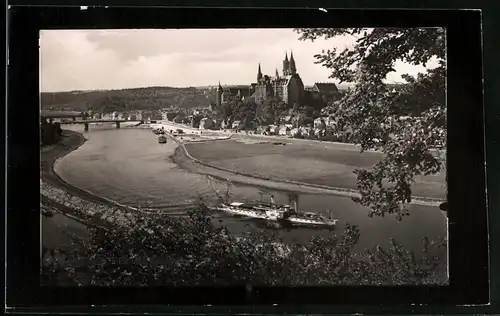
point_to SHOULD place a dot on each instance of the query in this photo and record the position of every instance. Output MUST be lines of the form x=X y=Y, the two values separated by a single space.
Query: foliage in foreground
x=407 y=124
x=161 y=250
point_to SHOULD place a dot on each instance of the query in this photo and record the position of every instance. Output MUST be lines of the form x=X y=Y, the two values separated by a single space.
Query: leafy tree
x=315 y=101
x=226 y=110
x=196 y=120
x=236 y=109
x=302 y=120
x=307 y=110
x=50 y=133
x=179 y=118
x=244 y=110
x=162 y=250
x=250 y=109
x=211 y=96
x=271 y=110
x=410 y=121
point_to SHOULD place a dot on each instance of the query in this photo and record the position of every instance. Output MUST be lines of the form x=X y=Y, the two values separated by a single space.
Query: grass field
x=310 y=162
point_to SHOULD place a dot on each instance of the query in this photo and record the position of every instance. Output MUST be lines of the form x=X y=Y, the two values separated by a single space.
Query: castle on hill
x=287 y=87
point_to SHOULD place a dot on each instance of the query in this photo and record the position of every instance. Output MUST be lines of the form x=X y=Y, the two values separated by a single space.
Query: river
x=129 y=166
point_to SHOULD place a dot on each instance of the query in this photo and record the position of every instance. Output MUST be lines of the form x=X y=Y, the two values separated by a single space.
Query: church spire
x=277 y=74
x=293 y=69
x=286 y=65
x=218 y=95
x=259 y=74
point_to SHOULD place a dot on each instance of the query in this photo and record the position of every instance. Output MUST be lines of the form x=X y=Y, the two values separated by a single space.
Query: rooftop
x=326 y=87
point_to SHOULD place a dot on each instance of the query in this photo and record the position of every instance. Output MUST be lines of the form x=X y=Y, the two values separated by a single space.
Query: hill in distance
x=107 y=101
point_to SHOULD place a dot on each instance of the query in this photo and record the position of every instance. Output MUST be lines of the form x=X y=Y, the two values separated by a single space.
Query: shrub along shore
x=128 y=248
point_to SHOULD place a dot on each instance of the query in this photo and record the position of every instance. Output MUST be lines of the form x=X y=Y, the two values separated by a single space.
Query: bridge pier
x=86 y=128
x=117 y=124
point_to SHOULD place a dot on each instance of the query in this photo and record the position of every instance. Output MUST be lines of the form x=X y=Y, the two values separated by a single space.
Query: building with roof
x=225 y=93
x=326 y=88
x=287 y=87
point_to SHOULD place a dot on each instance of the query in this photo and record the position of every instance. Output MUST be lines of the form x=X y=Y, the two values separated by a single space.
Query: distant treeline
x=107 y=101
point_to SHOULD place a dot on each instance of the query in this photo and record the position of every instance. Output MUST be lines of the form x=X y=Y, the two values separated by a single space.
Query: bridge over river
x=81 y=116
x=88 y=122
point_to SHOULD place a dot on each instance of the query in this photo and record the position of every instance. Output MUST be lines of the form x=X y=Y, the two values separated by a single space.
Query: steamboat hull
x=247 y=213
x=273 y=213
x=311 y=224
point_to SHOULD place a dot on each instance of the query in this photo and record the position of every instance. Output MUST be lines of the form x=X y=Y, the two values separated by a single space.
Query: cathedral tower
x=286 y=65
x=292 y=68
x=218 y=96
x=259 y=75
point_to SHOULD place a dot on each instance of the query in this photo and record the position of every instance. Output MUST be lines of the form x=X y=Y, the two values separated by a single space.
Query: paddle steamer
x=274 y=212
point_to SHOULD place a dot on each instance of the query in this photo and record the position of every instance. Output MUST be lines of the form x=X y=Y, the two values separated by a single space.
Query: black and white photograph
x=262 y=156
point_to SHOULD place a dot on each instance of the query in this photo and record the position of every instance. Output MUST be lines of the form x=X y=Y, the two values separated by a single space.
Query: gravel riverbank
x=183 y=158
x=70 y=141
x=70 y=200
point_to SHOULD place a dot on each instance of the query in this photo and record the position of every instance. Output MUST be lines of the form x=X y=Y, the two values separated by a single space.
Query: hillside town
x=317 y=126
x=236 y=174
x=272 y=105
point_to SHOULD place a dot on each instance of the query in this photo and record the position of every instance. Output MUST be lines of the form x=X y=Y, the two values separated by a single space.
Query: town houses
x=286 y=87
x=135 y=115
x=322 y=127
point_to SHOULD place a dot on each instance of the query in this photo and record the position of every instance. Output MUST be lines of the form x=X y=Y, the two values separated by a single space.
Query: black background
x=468 y=238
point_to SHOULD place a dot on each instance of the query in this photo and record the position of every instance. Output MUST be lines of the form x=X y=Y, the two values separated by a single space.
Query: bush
x=162 y=250
x=50 y=133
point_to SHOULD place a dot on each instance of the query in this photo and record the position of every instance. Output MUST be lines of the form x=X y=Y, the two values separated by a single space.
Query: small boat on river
x=277 y=213
x=159 y=131
x=162 y=139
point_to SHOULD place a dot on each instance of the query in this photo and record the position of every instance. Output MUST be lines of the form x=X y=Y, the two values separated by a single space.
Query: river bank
x=185 y=160
x=51 y=182
x=58 y=195
x=72 y=140
x=107 y=159
x=69 y=142
x=130 y=167
x=334 y=178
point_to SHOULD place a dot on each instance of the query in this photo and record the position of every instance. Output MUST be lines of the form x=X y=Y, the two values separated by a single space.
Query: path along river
x=129 y=166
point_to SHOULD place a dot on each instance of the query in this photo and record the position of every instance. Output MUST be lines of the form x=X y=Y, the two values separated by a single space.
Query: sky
x=119 y=59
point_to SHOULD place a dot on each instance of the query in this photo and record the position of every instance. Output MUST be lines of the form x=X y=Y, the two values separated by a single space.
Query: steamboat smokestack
x=295 y=204
x=272 y=199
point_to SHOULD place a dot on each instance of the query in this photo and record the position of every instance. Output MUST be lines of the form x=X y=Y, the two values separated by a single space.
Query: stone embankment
x=81 y=209
x=73 y=202
x=104 y=216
